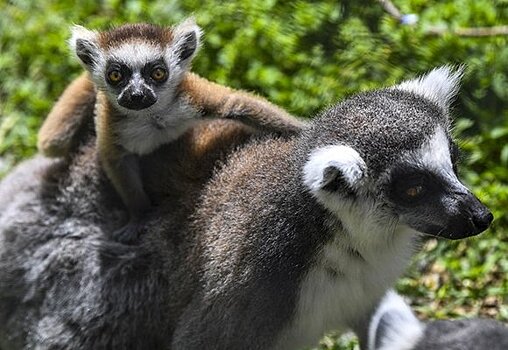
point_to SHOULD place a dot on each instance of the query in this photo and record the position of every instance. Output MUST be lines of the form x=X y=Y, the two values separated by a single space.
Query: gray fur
x=394 y=327
x=281 y=262
x=251 y=259
x=64 y=284
x=467 y=334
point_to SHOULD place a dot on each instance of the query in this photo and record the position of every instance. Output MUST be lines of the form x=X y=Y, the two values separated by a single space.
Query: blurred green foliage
x=304 y=56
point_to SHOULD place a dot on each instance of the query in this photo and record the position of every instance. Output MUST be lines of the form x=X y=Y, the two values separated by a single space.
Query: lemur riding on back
x=145 y=97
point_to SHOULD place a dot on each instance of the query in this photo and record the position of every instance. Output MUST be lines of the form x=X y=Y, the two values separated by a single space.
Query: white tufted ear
x=333 y=163
x=187 y=38
x=439 y=85
x=84 y=43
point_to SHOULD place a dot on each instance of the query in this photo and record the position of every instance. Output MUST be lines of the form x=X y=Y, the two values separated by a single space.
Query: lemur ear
x=332 y=168
x=187 y=37
x=439 y=85
x=84 y=43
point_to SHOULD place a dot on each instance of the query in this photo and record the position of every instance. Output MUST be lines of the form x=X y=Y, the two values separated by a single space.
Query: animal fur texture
x=145 y=96
x=185 y=92
x=276 y=241
x=395 y=327
x=64 y=284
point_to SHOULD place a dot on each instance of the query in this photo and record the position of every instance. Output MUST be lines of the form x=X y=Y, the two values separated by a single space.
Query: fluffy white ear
x=187 y=38
x=84 y=43
x=394 y=326
x=439 y=85
x=333 y=167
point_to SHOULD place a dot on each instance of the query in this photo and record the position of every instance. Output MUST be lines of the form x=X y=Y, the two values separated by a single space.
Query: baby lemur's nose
x=137 y=100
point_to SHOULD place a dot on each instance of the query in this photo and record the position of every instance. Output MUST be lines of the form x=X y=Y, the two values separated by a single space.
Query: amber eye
x=414 y=191
x=158 y=74
x=115 y=76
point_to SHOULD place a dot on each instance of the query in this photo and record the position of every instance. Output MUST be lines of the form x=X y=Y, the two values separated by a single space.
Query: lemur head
x=391 y=151
x=137 y=65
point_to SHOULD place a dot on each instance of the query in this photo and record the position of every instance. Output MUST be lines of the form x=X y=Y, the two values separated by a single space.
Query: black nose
x=471 y=218
x=137 y=100
x=483 y=220
x=478 y=214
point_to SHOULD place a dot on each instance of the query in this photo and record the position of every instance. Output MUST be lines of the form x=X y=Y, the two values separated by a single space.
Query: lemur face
x=424 y=192
x=136 y=87
x=388 y=156
x=138 y=66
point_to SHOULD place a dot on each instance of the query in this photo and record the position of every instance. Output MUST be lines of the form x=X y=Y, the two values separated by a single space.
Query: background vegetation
x=304 y=56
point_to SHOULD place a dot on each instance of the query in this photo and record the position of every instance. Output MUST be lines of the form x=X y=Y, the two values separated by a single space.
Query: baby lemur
x=145 y=96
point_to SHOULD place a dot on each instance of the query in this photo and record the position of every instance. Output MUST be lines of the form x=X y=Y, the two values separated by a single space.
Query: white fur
x=140 y=134
x=90 y=36
x=435 y=153
x=368 y=253
x=439 y=85
x=177 y=68
x=180 y=33
x=336 y=303
x=344 y=158
x=80 y=32
x=406 y=330
x=136 y=53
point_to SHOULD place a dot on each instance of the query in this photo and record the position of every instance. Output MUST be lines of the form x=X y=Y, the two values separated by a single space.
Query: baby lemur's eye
x=159 y=74
x=115 y=76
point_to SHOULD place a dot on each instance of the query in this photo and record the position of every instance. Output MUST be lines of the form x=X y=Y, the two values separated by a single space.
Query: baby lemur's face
x=136 y=86
x=138 y=66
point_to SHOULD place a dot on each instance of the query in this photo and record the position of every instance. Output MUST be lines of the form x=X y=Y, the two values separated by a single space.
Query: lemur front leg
x=124 y=173
x=59 y=133
x=220 y=101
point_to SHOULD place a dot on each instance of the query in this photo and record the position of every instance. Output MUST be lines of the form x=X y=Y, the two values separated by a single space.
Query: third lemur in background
x=395 y=327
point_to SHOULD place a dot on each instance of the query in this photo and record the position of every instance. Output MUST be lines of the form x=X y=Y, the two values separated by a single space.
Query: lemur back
x=145 y=96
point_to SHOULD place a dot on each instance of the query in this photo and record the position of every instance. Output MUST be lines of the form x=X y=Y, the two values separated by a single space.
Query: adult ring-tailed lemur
x=289 y=238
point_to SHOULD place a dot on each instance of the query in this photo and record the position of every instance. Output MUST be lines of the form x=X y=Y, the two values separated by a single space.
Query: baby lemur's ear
x=336 y=168
x=85 y=44
x=186 y=40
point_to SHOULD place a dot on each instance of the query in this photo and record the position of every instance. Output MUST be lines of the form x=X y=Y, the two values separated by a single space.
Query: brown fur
x=183 y=166
x=121 y=170
x=60 y=133
x=132 y=295
x=129 y=32
x=224 y=102
x=194 y=99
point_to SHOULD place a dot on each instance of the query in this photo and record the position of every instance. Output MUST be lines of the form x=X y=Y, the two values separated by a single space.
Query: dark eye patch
x=124 y=70
x=147 y=70
x=412 y=186
x=455 y=155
